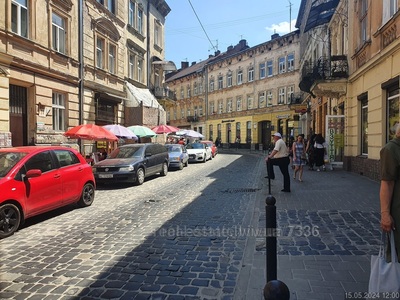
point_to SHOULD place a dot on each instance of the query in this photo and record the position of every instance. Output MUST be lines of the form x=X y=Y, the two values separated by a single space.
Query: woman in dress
x=299 y=159
x=320 y=151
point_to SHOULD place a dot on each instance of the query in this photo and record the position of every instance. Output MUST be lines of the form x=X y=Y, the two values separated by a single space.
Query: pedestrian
x=389 y=193
x=279 y=157
x=290 y=147
x=310 y=152
x=217 y=142
x=237 y=142
x=320 y=151
x=299 y=157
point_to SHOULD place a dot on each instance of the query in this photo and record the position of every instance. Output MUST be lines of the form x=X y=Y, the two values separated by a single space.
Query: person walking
x=320 y=151
x=310 y=152
x=299 y=157
x=279 y=157
x=389 y=193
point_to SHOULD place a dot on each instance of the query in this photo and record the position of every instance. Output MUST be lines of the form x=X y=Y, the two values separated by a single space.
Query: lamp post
x=80 y=72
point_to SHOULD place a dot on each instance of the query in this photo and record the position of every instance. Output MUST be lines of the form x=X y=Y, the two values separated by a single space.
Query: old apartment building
x=245 y=92
x=350 y=53
x=64 y=63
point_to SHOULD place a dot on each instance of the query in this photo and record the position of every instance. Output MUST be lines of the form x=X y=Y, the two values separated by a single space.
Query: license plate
x=192 y=156
x=105 y=175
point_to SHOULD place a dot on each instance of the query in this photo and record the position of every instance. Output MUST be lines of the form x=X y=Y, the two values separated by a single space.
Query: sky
x=225 y=23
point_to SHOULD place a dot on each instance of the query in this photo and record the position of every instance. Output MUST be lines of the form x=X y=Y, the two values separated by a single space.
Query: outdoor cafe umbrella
x=90 y=132
x=190 y=133
x=165 y=129
x=121 y=131
x=142 y=131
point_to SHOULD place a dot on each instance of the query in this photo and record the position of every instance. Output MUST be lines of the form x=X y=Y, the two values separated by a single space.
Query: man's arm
x=385 y=195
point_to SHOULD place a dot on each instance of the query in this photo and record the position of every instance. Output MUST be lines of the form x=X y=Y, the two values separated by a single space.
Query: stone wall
x=363 y=166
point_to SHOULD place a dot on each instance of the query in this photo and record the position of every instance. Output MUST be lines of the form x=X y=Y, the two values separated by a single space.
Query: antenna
x=290 y=16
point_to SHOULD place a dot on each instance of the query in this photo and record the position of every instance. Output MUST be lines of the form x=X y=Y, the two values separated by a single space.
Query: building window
x=389 y=9
x=239 y=103
x=238 y=132
x=58 y=112
x=248 y=132
x=240 y=77
x=200 y=87
x=19 y=17
x=111 y=58
x=131 y=13
x=229 y=80
x=364 y=123
x=229 y=105
x=251 y=74
x=220 y=82
x=210 y=132
x=182 y=113
x=249 y=102
x=58 y=33
x=100 y=53
x=195 y=88
x=139 y=69
x=290 y=62
x=290 y=91
x=211 y=84
x=261 y=100
x=220 y=107
x=140 y=21
x=393 y=116
x=262 y=70
x=212 y=109
x=269 y=98
x=270 y=68
x=188 y=91
x=131 y=67
x=201 y=110
x=109 y=4
x=281 y=95
x=182 y=93
x=282 y=65
x=363 y=21
x=188 y=112
x=157 y=33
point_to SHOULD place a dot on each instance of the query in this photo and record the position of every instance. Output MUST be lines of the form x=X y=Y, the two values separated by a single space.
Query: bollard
x=274 y=289
x=270 y=226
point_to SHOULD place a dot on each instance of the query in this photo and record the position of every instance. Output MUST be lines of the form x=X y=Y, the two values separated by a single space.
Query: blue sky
x=226 y=22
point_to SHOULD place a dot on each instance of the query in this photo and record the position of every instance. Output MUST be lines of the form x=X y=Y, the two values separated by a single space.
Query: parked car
x=34 y=180
x=198 y=152
x=132 y=163
x=178 y=156
x=214 y=149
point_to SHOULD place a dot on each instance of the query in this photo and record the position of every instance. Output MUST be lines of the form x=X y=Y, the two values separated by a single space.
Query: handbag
x=385 y=276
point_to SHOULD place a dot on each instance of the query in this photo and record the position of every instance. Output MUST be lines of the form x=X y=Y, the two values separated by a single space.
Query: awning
x=109 y=97
x=142 y=96
x=166 y=65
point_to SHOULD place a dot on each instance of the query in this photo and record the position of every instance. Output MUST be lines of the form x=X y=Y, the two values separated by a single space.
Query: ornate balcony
x=163 y=93
x=192 y=119
x=325 y=77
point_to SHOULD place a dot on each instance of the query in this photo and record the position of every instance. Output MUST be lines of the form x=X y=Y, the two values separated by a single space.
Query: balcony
x=325 y=77
x=163 y=93
x=192 y=119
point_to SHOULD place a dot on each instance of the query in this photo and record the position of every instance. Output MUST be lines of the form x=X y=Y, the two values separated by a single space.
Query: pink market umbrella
x=121 y=131
x=90 y=132
x=165 y=129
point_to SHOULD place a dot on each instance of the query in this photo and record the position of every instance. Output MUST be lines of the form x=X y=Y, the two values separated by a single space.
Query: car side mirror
x=33 y=173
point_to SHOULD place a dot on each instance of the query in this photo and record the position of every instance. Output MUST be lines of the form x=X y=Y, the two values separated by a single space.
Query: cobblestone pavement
x=174 y=237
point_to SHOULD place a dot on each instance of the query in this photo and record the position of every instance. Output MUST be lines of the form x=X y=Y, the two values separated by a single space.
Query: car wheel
x=181 y=165
x=205 y=158
x=10 y=219
x=164 y=170
x=87 y=196
x=186 y=163
x=140 y=176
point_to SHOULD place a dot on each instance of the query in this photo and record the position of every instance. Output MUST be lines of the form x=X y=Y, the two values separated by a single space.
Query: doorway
x=18 y=116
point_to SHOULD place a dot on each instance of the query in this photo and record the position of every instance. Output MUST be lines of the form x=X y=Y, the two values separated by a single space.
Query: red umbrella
x=90 y=132
x=164 y=129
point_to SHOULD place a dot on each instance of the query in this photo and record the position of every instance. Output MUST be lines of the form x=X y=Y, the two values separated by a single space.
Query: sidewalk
x=328 y=227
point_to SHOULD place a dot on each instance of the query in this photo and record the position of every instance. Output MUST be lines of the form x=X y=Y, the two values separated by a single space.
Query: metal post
x=274 y=289
x=270 y=222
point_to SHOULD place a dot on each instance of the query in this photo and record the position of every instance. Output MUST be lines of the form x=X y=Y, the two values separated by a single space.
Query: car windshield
x=127 y=152
x=174 y=149
x=195 y=146
x=9 y=160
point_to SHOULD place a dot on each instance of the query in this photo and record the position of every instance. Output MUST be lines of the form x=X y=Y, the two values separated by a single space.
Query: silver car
x=178 y=156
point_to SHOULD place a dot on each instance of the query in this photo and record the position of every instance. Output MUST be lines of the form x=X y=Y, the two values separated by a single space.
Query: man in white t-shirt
x=279 y=157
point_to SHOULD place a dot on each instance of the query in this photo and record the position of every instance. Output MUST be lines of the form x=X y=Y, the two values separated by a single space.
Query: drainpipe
x=80 y=72
x=148 y=44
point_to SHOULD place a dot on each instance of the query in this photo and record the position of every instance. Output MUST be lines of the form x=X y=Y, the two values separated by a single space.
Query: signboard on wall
x=335 y=138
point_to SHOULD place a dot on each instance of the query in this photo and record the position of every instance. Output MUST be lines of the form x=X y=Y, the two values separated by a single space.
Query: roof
x=196 y=68
x=321 y=12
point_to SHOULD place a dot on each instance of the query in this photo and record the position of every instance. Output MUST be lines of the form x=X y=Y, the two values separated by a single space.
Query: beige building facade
x=51 y=80
x=245 y=93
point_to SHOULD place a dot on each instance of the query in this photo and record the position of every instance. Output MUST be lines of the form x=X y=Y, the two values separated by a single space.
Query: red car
x=214 y=149
x=34 y=180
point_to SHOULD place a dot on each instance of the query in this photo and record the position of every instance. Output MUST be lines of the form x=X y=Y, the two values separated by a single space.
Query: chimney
x=193 y=63
x=217 y=53
x=184 y=64
x=274 y=36
x=230 y=48
x=242 y=44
